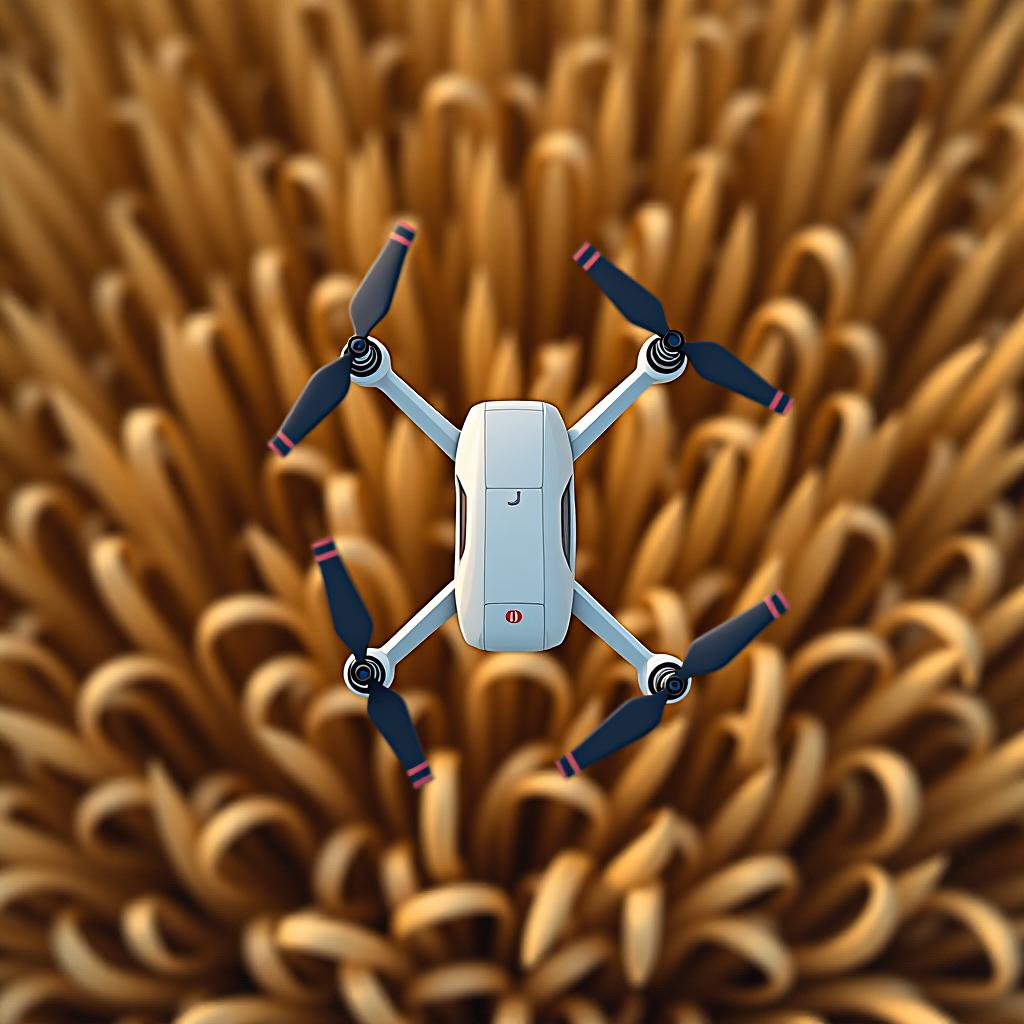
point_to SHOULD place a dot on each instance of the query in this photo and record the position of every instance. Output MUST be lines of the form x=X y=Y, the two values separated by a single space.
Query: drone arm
x=427 y=621
x=637 y=717
x=436 y=426
x=602 y=623
x=594 y=423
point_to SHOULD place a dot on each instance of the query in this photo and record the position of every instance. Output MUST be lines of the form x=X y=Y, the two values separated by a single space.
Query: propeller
x=370 y=304
x=372 y=299
x=640 y=715
x=713 y=362
x=352 y=622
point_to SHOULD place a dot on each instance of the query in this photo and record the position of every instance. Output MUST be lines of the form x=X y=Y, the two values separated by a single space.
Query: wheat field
x=198 y=824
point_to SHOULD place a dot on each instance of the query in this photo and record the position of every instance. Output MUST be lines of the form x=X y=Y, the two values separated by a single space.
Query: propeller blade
x=720 y=645
x=373 y=297
x=630 y=297
x=351 y=620
x=390 y=714
x=624 y=725
x=639 y=716
x=721 y=367
x=323 y=392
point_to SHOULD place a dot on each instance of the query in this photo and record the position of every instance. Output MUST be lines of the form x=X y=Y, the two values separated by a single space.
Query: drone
x=514 y=587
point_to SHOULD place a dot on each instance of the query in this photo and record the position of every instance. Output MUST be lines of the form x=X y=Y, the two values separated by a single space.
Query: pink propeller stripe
x=423 y=781
x=572 y=761
x=398 y=238
x=789 y=407
x=418 y=768
x=581 y=250
x=561 y=770
x=775 y=400
x=782 y=599
x=322 y=540
x=408 y=227
x=593 y=259
x=287 y=440
x=327 y=554
x=771 y=607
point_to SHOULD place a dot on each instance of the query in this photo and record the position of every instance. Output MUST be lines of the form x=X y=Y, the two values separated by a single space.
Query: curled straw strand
x=197 y=823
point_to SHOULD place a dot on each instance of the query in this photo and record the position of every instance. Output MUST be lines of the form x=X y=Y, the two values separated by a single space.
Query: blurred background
x=197 y=823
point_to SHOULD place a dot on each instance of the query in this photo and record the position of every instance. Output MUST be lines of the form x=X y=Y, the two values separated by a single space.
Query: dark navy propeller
x=370 y=304
x=713 y=362
x=640 y=715
x=352 y=622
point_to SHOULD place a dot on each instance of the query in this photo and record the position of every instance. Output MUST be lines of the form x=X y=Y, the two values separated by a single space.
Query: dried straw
x=197 y=823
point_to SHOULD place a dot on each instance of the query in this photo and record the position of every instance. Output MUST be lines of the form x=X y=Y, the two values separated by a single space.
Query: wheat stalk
x=197 y=823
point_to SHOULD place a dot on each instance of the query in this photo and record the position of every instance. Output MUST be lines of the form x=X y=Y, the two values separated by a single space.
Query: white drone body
x=514 y=587
x=515 y=530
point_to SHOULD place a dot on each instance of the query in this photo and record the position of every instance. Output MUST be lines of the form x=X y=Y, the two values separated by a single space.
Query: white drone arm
x=602 y=623
x=594 y=423
x=651 y=669
x=436 y=426
x=427 y=621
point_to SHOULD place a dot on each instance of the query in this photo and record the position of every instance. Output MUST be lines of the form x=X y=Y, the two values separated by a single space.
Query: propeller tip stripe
x=777 y=604
x=568 y=765
x=789 y=407
x=422 y=782
x=586 y=255
x=420 y=775
x=418 y=768
x=781 y=403
x=404 y=233
x=322 y=556
x=281 y=443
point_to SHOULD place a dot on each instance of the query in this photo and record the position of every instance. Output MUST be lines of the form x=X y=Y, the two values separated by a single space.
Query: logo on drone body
x=513 y=615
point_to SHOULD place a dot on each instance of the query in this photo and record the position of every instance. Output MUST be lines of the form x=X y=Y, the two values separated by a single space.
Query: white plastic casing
x=515 y=527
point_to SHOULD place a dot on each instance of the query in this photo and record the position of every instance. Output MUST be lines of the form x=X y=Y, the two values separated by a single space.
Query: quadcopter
x=514 y=585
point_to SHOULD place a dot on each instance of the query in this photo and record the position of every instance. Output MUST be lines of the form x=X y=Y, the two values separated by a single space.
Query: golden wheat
x=197 y=823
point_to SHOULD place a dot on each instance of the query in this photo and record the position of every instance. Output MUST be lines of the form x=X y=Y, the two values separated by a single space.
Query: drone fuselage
x=515 y=527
